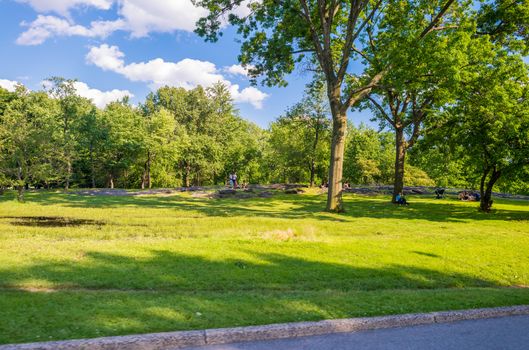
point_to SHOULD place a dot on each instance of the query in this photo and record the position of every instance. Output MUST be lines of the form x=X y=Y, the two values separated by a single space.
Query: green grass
x=149 y=264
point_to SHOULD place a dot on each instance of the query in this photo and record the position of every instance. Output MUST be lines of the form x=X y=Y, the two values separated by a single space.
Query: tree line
x=56 y=139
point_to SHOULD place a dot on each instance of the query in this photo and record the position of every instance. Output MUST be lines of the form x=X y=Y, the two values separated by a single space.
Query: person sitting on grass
x=400 y=199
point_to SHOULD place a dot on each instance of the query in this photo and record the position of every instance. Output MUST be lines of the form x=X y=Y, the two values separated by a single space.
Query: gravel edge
x=172 y=340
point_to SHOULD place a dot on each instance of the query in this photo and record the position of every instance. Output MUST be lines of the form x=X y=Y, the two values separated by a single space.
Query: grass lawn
x=122 y=265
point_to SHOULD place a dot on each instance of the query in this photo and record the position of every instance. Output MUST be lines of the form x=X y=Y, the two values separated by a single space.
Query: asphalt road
x=509 y=333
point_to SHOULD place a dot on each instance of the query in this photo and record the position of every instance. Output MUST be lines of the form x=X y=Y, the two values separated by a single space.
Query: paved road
x=509 y=333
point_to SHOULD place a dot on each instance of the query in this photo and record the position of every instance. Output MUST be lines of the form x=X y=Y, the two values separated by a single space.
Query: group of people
x=399 y=198
x=345 y=185
x=469 y=196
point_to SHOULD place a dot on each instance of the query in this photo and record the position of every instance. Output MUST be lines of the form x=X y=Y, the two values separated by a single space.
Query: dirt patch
x=280 y=235
x=51 y=221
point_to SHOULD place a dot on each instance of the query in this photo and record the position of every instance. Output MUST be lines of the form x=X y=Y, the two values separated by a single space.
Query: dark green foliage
x=369 y=156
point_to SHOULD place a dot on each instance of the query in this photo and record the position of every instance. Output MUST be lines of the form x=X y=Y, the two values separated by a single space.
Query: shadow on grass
x=431 y=255
x=50 y=221
x=107 y=294
x=168 y=271
x=290 y=207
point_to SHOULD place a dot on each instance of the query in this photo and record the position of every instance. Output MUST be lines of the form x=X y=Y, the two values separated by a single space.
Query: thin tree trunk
x=486 y=196
x=482 y=182
x=110 y=180
x=313 y=158
x=400 y=157
x=92 y=166
x=20 y=185
x=312 y=172
x=20 y=193
x=68 y=174
x=144 y=175
x=187 y=175
x=334 y=194
x=149 y=169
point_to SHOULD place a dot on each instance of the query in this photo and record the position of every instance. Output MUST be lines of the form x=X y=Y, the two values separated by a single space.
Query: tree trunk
x=110 y=180
x=334 y=194
x=92 y=166
x=485 y=203
x=20 y=184
x=149 y=169
x=144 y=175
x=20 y=193
x=312 y=172
x=187 y=175
x=400 y=157
x=68 y=174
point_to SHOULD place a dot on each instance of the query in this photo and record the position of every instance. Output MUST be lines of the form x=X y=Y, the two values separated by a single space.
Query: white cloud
x=100 y=98
x=9 y=85
x=63 y=6
x=106 y=57
x=45 y=27
x=250 y=95
x=237 y=69
x=187 y=73
x=139 y=17
x=145 y=16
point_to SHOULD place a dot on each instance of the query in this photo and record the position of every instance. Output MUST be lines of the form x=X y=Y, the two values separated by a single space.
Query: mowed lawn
x=90 y=266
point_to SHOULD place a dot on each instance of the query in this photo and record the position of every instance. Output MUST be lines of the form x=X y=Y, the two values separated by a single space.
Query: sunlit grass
x=143 y=264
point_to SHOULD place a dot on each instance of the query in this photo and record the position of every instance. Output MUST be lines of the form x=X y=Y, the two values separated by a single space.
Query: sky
x=117 y=48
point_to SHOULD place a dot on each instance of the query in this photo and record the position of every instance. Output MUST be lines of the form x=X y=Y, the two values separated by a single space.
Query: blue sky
x=117 y=48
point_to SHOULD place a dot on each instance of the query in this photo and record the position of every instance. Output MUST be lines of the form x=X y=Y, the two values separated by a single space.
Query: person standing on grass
x=235 y=180
x=230 y=180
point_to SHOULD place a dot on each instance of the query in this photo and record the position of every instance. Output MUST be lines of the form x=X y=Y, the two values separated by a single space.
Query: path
x=498 y=333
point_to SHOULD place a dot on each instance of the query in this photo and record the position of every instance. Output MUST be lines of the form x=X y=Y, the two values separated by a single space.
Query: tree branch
x=436 y=20
x=382 y=111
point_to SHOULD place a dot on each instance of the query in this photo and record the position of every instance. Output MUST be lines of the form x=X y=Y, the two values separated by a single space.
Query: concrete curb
x=172 y=340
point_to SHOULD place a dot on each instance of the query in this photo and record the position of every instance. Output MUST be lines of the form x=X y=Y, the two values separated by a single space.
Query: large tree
x=424 y=81
x=73 y=109
x=123 y=144
x=331 y=35
x=491 y=121
x=27 y=147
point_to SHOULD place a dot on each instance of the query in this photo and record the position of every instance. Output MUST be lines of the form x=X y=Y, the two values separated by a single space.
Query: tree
x=308 y=124
x=92 y=133
x=446 y=163
x=161 y=148
x=423 y=79
x=506 y=23
x=278 y=35
x=214 y=139
x=492 y=120
x=73 y=109
x=27 y=133
x=123 y=144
